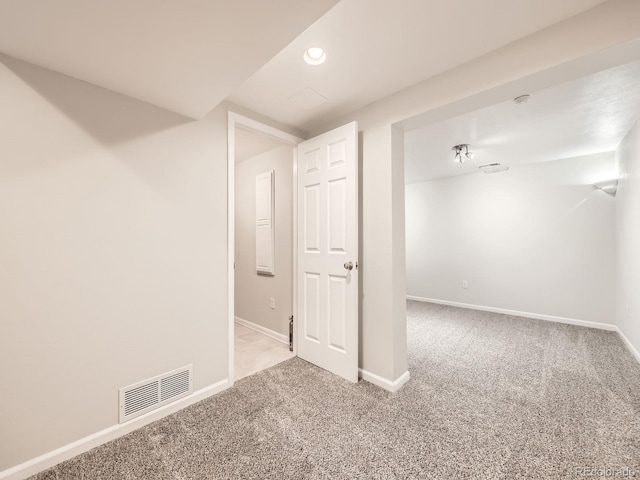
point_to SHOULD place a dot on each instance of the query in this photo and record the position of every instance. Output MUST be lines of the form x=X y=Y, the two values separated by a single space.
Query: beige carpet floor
x=490 y=397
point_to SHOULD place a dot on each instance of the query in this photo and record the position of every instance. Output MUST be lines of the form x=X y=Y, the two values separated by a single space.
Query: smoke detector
x=519 y=100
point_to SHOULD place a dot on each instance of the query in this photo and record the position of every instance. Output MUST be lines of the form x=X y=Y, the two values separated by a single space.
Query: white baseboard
x=264 y=330
x=392 y=386
x=48 y=460
x=629 y=345
x=515 y=313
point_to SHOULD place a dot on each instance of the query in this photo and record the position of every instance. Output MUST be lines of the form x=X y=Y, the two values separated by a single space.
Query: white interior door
x=327 y=289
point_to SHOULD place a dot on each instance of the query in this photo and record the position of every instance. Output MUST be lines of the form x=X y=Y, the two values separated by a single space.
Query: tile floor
x=255 y=351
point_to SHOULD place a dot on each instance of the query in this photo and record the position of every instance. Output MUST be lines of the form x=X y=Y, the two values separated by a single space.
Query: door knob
x=348 y=266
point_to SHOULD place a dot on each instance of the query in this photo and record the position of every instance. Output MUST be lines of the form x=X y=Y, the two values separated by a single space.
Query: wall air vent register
x=147 y=395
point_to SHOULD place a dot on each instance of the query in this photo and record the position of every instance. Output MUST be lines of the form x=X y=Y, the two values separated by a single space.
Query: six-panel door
x=327 y=241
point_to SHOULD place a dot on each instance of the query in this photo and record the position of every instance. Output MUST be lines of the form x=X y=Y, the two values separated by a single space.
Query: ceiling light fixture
x=461 y=156
x=315 y=56
x=610 y=187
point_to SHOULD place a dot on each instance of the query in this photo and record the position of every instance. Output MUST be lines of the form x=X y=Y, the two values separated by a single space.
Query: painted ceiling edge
x=6 y=58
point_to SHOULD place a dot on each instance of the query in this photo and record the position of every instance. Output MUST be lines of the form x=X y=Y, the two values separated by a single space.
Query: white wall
x=383 y=341
x=538 y=238
x=252 y=291
x=628 y=237
x=112 y=254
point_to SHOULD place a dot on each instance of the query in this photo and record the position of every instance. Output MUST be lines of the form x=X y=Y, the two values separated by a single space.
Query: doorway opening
x=261 y=245
x=324 y=257
x=495 y=229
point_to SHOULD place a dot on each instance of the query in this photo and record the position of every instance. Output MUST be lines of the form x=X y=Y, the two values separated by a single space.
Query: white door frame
x=234 y=120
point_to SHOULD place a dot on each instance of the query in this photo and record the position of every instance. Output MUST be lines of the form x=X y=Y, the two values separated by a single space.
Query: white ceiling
x=585 y=116
x=188 y=55
x=249 y=144
x=182 y=55
x=377 y=47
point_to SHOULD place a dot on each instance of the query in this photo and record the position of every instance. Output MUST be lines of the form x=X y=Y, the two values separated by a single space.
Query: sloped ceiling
x=378 y=47
x=182 y=55
x=188 y=55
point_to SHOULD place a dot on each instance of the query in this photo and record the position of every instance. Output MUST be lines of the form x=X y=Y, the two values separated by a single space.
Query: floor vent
x=155 y=392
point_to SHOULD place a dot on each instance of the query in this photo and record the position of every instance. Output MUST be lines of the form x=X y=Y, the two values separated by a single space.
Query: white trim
x=515 y=313
x=294 y=251
x=260 y=127
x=231 y=238
x=234 y=120
x=48 y=460
x=265 y=331
x=628 y=344
x=392 y=386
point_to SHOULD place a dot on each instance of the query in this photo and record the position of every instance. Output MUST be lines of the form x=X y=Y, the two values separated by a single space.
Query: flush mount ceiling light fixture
x=462 y=153
x=315 y=56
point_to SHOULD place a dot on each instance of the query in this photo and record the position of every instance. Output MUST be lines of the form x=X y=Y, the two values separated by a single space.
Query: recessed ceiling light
x=315 y=56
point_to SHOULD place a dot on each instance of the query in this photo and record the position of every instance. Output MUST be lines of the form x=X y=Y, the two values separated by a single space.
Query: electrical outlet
x=464 y=284
x=273 y=303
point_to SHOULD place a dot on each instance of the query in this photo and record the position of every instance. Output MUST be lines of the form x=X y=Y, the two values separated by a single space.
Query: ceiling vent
x=493 y=168
x=306 y=99
x=147 y=395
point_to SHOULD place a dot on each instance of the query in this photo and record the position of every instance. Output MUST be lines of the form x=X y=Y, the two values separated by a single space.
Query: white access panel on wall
x=265 y=238
x=327 y=273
